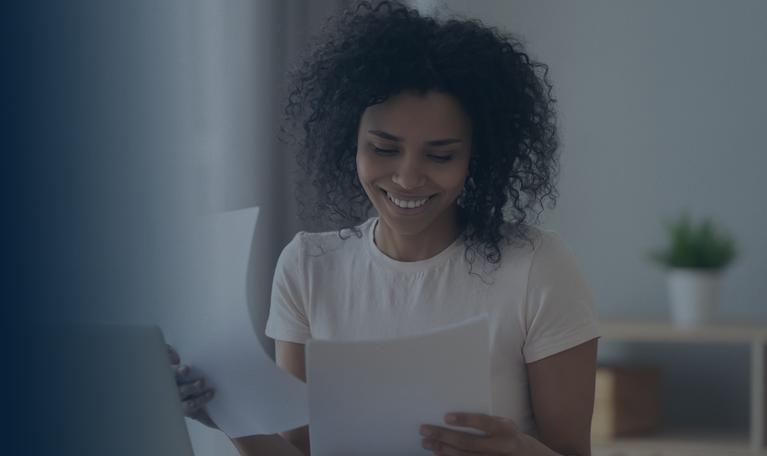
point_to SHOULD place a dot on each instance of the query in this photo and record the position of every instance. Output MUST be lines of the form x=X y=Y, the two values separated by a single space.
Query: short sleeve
x=287 y=312
x=559 y=311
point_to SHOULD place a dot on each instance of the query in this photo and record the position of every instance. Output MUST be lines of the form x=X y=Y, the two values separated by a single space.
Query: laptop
x=118 y=393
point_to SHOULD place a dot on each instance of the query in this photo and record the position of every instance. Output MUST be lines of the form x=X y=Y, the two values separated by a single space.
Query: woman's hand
x=501 y=437
x=192 y=390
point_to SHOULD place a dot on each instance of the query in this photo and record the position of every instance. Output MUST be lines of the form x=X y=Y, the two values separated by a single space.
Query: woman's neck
x=421 y=246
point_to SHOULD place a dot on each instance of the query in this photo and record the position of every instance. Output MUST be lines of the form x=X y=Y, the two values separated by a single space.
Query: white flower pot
x=693 y=295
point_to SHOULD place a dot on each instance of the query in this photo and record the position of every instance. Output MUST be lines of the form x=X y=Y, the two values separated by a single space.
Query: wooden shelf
x=664 y=332
x=754 y=336
x=679 y=444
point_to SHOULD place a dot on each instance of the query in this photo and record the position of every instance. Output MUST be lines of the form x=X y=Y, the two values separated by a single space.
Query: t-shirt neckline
x=407 y=266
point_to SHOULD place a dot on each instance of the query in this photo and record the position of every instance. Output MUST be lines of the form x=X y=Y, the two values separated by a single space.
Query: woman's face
x=412 y=160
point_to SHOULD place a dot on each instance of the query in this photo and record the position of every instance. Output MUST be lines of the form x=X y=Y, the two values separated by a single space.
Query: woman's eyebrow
x=433 y=142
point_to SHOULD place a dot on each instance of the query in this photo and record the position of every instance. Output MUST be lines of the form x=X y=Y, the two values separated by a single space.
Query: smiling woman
x=412 y=159
x=447 y=130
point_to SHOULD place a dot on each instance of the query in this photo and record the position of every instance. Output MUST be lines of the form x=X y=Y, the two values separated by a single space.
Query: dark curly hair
x=374 y=51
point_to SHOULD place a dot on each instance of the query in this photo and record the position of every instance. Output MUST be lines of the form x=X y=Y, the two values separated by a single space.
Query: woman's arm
x=562 y=394
x=291 y=358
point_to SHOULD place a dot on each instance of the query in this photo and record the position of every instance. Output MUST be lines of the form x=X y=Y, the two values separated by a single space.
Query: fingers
x=173 y=355
x=489 y=424
x=194 y=394
x=180 y=371
x=192 y=405
x=448 y=441
x=192 y=389
x=499 y=435
x=183 y=374
x=442 y=448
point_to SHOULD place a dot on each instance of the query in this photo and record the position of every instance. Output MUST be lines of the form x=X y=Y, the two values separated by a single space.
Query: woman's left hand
x=502 y=436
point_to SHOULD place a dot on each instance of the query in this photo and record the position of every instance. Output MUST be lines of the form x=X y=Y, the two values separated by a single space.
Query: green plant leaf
x=697 y=246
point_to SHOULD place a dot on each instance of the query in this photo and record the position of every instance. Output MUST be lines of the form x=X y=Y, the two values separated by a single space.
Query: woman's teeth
x=407 y=204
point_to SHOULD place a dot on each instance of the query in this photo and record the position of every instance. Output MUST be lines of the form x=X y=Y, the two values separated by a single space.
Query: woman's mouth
x=413 y=204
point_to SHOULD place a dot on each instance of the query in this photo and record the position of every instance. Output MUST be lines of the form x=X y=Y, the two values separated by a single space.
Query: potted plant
x=696 y=257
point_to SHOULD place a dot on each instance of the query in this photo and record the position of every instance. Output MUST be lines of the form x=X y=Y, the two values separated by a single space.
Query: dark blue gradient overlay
x=95 y=106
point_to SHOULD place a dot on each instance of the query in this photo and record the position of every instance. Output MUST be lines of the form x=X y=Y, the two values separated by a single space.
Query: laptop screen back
x=118 y=394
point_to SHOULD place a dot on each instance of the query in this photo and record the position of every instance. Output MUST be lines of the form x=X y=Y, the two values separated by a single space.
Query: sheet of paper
x=370 y=397
x=214 y=334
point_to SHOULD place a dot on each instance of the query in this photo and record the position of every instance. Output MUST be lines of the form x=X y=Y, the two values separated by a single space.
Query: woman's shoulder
x=533 y=243
x=546 y=257
x=319 y=244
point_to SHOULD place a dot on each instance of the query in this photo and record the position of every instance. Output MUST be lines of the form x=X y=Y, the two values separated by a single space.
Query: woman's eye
x=441 y=158
x=384 y=152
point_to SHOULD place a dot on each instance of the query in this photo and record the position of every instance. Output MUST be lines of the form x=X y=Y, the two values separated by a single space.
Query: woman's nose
x=409 y=175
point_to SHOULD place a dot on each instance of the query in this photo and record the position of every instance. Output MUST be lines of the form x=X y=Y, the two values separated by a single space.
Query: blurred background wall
x=661 y=107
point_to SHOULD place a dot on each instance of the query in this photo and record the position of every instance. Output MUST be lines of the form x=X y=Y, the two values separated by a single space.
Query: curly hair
x=374 y=51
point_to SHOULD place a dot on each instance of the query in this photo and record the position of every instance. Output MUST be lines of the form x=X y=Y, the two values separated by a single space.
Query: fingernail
x=425 y=431
x=450 y=418
x=427 y=444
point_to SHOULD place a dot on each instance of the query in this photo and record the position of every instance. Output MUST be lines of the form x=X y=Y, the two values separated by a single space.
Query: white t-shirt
x=537 y=301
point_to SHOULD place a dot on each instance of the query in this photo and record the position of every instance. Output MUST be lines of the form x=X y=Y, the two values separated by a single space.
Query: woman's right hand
x=193 y=390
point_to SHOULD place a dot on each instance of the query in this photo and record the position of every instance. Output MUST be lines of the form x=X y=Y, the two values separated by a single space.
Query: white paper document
x=370 y=397
x=215 y=336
